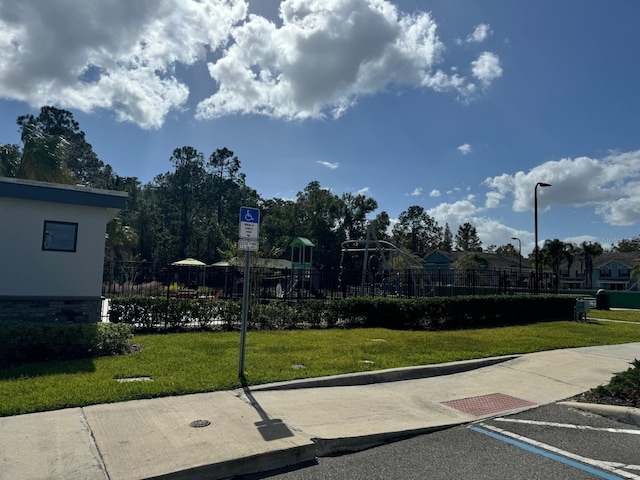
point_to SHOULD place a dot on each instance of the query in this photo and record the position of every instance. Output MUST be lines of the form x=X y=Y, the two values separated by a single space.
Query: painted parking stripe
x=568 y=425
x=603 y=470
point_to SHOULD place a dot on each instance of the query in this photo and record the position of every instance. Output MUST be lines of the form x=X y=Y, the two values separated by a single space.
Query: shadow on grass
x=53 y=367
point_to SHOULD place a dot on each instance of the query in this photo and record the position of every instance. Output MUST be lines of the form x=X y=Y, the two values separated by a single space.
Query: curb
x=328 y=447
x=384 y=376
x=322 y=447
x=245 y=466
x=628 y=415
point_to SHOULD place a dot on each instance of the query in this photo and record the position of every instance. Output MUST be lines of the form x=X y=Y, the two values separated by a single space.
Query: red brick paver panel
x=488 y=404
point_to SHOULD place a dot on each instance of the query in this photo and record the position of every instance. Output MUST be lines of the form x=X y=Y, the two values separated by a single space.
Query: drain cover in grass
x=134 y=379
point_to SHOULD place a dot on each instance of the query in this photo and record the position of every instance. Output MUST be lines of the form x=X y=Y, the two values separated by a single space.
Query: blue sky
x=456 y=106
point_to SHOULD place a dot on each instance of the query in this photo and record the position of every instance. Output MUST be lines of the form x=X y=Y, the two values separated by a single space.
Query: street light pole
x=536 y=287
x=519 y=259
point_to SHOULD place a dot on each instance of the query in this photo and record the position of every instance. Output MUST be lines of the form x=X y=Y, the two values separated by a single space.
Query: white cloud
x=323 y=57
x=118 y=55
x=454 y=213
x=465 y=148
x=127 y=57
x=434 y=193
x=610 y=186
x=486 y=68
x=581 y=238
x=363 y=191
x=416 y=192
x=330 y=165
x=493 y=199
x=490 y=231
x=479 y=34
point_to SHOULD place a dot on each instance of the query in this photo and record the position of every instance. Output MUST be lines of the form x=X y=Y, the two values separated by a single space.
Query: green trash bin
x=602 y=300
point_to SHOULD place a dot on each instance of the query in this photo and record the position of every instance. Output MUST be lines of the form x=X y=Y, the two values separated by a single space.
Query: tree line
x=192 y=210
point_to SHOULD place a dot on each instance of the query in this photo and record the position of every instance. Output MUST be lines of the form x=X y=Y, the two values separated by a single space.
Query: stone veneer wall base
x=50 y=309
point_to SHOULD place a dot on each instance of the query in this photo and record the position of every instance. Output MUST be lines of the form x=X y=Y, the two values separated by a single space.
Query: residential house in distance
x=52 y=249
x=611 y=271
x=495 y=270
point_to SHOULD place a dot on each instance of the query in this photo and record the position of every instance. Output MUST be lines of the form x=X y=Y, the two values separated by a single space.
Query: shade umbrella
x=189 y=262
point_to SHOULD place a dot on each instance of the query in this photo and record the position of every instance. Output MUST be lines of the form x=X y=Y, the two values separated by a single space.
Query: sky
x=460 y=107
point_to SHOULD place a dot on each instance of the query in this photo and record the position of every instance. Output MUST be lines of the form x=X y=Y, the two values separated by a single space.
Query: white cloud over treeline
x=315 y=61
x=609 y=185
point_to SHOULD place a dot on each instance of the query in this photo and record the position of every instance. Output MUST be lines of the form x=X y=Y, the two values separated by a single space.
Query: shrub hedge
x=22 y=342
x=146 y=314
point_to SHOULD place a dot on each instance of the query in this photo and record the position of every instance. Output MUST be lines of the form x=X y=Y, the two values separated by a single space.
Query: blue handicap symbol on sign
x=249 y=215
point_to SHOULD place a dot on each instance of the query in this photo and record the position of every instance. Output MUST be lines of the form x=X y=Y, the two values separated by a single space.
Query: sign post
x=249 y=231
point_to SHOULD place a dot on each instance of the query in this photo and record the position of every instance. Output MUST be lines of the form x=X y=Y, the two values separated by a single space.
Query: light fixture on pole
x=536 y=286
x=519 y=259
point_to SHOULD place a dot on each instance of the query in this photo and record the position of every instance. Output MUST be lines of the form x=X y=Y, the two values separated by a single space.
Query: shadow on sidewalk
x=269 y=428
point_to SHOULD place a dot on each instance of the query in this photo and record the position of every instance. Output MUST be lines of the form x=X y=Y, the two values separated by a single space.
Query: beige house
x=52 y=249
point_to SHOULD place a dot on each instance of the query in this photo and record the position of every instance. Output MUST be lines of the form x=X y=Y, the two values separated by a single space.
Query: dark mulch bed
x=594 y=397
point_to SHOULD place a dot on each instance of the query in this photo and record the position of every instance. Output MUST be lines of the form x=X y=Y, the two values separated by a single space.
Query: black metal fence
x=153 y=279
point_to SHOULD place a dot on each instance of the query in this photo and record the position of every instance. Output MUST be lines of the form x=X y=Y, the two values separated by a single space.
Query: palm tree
x=9 y=160
x=44 y=158
x=553 y=252
x=590 y=251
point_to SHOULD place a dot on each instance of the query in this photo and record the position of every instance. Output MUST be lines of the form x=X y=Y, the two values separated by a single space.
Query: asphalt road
x=553 y=441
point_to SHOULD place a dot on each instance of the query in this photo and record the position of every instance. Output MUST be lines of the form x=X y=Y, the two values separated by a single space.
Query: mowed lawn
x=175 y=364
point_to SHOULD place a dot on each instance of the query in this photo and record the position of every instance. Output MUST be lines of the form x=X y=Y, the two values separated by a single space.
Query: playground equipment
x=301 y=266
x=380 y=265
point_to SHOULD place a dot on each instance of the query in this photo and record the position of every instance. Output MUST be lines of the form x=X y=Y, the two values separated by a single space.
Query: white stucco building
x=52 y=241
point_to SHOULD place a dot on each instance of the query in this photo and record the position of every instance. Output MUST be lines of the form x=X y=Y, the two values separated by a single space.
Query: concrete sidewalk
x=224 y=434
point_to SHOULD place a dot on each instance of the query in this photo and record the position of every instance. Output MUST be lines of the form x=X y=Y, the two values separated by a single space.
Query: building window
x=605 y=273
x=59 y=236
x=625 y=273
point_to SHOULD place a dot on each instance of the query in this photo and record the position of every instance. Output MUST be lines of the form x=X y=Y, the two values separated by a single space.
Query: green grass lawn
x=624 y=315
x=200 y=362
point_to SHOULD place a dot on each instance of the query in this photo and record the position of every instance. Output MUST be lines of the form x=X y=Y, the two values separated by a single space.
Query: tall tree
x=319 y=213
x=628 y=245
x=380 y=225
x=553 y=252
x=224 y=166
x=417 y=231
x=467 y=239
x=354 y=215
x=80 y=158
x=182 y=191
x=278 y=224
x=507 y=250
x=447 y=239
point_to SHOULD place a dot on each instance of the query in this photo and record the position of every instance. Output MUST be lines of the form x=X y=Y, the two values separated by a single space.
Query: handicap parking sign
x=249 y=222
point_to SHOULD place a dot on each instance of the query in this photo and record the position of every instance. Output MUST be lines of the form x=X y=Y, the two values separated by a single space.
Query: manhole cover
x=488 y=404
x=200 y=423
